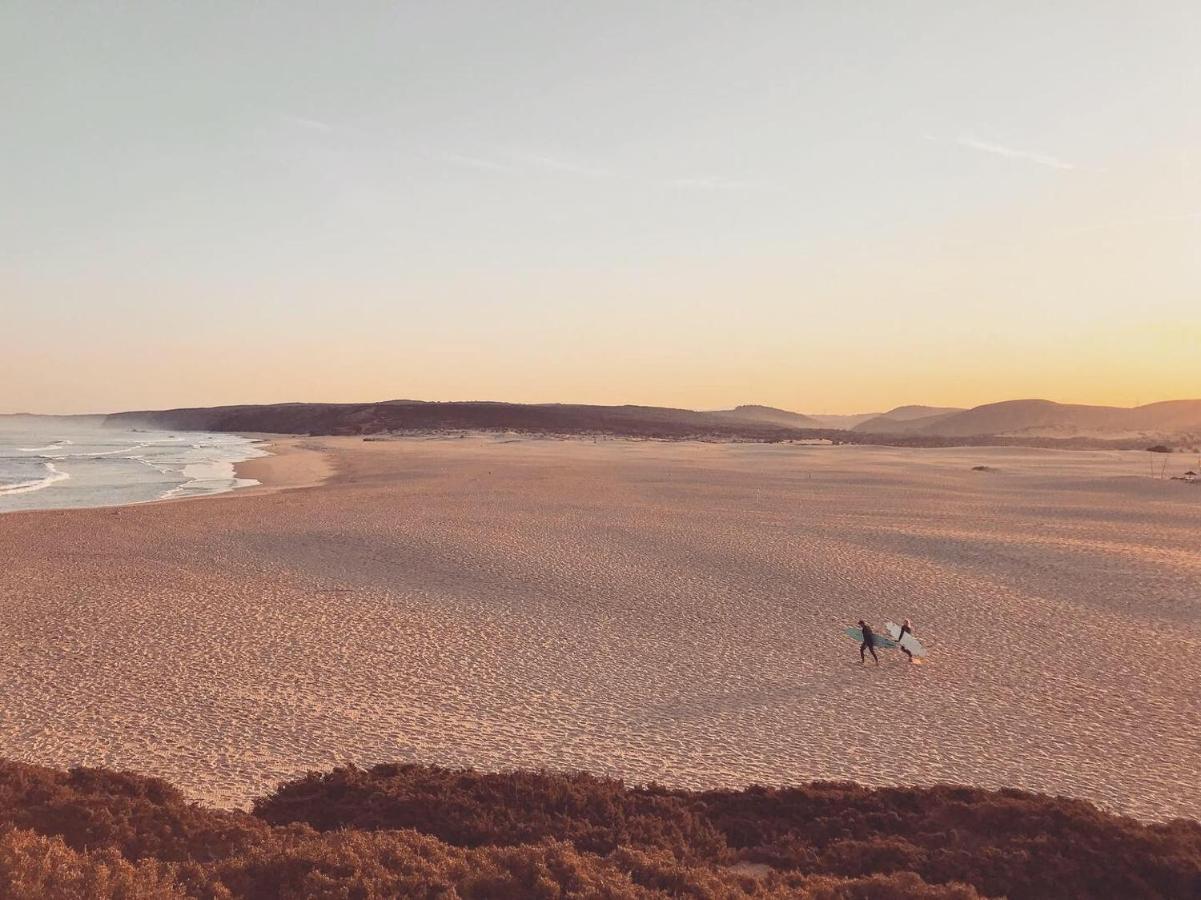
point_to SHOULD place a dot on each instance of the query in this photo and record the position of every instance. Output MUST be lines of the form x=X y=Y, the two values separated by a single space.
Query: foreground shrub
x=416 y=831
x=1007 y=843
x=470 y=809
x=141 y=817
x=1002 y=842
x=33 y=867
x=388 y=864
x=407 y=864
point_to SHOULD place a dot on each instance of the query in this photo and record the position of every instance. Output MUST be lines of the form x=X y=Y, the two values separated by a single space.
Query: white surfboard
x=909 y=642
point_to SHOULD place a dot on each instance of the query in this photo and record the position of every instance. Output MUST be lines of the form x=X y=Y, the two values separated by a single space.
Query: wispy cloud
x=714 y=183
x=560 y=164
x=1043 y=159
x=525 y=162
x=520 y=161
x=971 y=142
x=306 y=123
x=474 y=162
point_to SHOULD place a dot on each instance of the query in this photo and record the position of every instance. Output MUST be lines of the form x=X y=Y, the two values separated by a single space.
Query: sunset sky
x=827 y=207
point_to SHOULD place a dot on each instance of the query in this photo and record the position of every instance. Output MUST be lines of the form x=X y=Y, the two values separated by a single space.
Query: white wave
x=183 y=465
x=209 y=477
x=24 y=487
x=57 y=445
x=114 y=452
x=162 y=470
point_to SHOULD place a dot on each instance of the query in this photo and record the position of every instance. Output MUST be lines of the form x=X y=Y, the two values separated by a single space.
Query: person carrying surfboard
x=906 y=629
x=869 y=643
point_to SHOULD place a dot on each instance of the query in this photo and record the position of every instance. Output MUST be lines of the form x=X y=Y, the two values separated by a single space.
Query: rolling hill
x=1047 y=419
x=1017 y=422
x=904 y=419
x=831 y=420
x=754 y=422
x=770 y=415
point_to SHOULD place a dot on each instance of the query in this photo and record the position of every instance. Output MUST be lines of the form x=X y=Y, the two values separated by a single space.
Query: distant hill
x=1016 y=423
x=770 y=415
x=904 y=419
x=1046 y=419
x=753 y=422
x=844 y=421
x=909 y=413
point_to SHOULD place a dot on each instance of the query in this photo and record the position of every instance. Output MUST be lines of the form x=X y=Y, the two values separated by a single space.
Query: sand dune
x=667 y=611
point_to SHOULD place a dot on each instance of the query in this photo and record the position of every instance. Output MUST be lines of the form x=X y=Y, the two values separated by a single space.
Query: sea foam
x=53 y=475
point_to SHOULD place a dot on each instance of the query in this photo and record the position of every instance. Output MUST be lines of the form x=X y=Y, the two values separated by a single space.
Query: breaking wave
x=53 y=475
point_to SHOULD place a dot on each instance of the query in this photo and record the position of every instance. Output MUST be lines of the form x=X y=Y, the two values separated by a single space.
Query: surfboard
x=882 y=643
x=909 y=642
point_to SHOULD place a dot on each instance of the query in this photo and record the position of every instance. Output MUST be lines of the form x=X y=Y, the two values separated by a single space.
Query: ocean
x=49 y=462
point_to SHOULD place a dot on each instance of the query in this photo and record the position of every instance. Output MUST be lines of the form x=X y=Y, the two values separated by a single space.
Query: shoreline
x=292 y=462
x=298 y=461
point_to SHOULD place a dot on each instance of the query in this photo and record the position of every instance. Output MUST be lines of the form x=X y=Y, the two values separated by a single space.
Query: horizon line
x=876 y=412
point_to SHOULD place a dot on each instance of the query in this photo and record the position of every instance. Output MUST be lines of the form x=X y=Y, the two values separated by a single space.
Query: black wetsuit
x=868 y=645
x=905 y=629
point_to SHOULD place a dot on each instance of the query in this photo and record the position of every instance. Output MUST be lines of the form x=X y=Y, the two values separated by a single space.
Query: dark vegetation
x=413 y=415
x=418 y=831
x=745 y=423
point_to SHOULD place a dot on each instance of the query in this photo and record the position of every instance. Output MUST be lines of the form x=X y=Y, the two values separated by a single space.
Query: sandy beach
x=657 y=611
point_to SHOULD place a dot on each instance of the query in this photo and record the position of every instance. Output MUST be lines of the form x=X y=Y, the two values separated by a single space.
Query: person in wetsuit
x=905 y=629
x=869 y=643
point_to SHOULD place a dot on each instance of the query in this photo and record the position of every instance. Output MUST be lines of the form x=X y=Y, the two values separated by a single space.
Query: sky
x=826 y=207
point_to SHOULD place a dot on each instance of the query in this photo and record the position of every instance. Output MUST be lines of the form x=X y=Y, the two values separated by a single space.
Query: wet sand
x=657 y=611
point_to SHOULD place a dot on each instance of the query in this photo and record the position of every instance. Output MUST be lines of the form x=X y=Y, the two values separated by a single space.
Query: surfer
x=906 y=629
x=869 y=643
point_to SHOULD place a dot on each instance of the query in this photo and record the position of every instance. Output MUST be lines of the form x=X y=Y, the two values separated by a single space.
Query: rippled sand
x=669 y=612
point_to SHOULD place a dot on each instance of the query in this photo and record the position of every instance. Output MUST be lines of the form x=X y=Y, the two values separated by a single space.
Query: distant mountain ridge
x=909 y=413
x=1021 y=422
x=903 y=415
x=770 y=415
x=842 y=420
x=1045 y=418
x=752 y=422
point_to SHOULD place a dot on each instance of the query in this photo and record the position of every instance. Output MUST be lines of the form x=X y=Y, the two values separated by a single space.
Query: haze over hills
x=1046 y=419
x=770 y=415
x=880 y=423
x=834 y=420
x=1006 y=422
x=77 y=419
